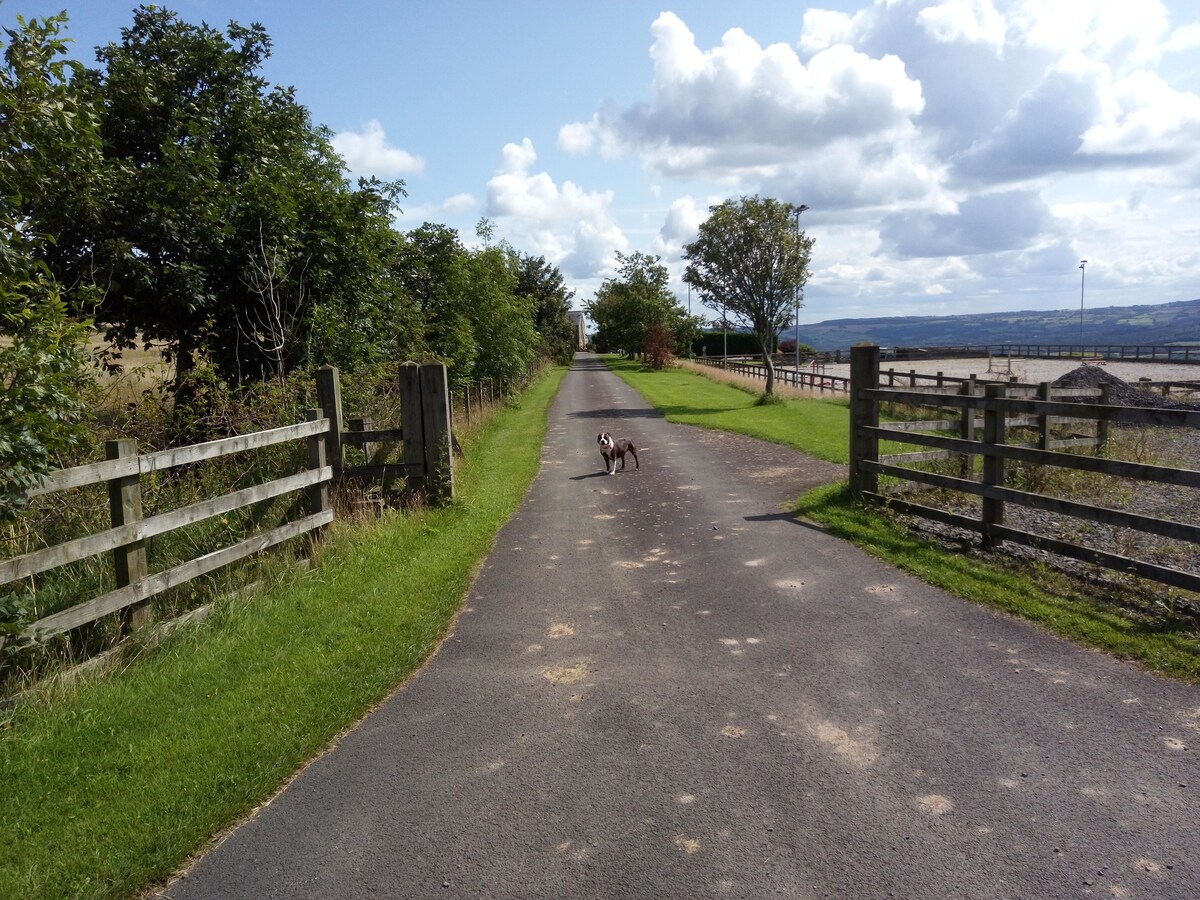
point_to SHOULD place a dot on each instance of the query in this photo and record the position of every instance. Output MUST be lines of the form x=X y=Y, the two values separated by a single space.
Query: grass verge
x=817 y=427
x=110 y=784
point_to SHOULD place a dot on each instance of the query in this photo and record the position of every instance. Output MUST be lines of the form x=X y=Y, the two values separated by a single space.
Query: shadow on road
x=788 y=517
x=589 y=475
x=615 y=414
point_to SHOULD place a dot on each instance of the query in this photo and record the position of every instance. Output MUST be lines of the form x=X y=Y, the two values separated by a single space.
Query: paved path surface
x=661 y=687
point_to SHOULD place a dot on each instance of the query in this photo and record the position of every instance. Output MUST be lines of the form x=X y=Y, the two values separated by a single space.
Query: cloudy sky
x=957 y=156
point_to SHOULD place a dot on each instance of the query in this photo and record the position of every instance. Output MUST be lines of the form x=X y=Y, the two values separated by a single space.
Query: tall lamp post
x=796 y=296
x=725 y=325
x=1082 y=273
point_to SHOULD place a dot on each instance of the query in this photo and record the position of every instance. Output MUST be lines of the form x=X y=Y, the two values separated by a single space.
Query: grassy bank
x=813 y=426
x=111 y=784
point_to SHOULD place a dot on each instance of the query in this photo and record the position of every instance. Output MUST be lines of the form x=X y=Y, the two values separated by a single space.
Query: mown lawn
x=111 y=784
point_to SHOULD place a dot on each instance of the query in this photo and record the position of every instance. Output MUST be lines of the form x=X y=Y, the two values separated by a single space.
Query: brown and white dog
x=612 y=449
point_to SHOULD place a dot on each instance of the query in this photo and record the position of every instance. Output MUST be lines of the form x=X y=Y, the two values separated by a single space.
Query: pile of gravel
x=1121 y=393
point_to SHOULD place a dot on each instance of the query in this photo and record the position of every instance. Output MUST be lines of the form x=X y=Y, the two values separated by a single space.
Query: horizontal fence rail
x=425 y=437
x=809 y=379
x=126 y=539
x=982 y=428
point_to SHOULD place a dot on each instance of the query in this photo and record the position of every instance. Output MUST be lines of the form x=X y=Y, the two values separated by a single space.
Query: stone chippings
x=1121 y=393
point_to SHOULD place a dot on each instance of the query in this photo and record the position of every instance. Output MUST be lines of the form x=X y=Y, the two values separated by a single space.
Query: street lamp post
x=796 y=296
x=1082 y=273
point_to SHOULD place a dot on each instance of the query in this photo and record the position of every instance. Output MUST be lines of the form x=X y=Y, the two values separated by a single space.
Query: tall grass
x=217 y=411
x=112 y=782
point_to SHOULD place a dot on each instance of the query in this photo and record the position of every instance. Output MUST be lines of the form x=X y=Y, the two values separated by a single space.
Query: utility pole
x=796 y=294
x=1082 y=273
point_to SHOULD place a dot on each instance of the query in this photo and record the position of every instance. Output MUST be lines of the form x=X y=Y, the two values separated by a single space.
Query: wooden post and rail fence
x=427 y=465
x=1002 y=409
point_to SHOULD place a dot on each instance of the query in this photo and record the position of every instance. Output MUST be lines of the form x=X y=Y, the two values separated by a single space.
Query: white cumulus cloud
x=743 y=108
x=572 y=227
x=368 y=152
x=968 y=21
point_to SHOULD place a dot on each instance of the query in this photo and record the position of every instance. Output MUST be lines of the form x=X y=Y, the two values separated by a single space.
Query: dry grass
x=753 y=385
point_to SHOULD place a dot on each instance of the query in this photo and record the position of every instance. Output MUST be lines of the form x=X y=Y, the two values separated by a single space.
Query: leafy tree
x=433 y=268
x=221 y=222
x=751 y=261
x=48 y=134
x=543 y=284
x=503 y=318
x=657 y=348
x=628 y=306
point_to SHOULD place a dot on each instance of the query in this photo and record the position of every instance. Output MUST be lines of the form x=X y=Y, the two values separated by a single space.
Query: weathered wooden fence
x=1114 y=352
x=428 y=463
x=811 y=379
x=999 y=413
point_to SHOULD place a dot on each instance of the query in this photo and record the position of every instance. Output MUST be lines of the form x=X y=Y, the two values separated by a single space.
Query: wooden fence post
x=993 y=465
x=967 y=433
x=412 y=423
x=1044 y=420
x=864 y=413
x=329 y=399
x=435 y=407
x=318 y=494
x=1102 y=424
x=125 y=508
x=364 y=424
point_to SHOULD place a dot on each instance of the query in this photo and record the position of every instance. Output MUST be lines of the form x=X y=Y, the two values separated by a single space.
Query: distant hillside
x=1163 y=323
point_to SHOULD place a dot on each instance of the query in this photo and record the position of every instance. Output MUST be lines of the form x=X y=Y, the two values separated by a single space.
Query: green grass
x=110 y=784
x=817 y=427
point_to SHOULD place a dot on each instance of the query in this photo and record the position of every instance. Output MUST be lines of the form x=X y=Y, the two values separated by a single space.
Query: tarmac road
x=662 y=687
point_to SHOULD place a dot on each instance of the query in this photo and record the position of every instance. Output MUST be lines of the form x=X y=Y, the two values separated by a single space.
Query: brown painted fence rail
x=1001 y=412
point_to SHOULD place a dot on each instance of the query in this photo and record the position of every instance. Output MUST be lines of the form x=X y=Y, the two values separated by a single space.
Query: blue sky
x=956 y=155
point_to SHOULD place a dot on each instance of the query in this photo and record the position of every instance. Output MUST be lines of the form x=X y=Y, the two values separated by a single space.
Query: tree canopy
x=629 y=305
x=187 y=203
x=750 y=262
x=44 y=369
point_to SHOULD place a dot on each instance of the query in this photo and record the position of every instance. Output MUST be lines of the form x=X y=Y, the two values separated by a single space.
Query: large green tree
x=628 y=305
x=220 y=177
x=46 y=136
x=543 y=284
x=223 y=229
x=750 y=262
x=434 y=269
x=503 y=318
